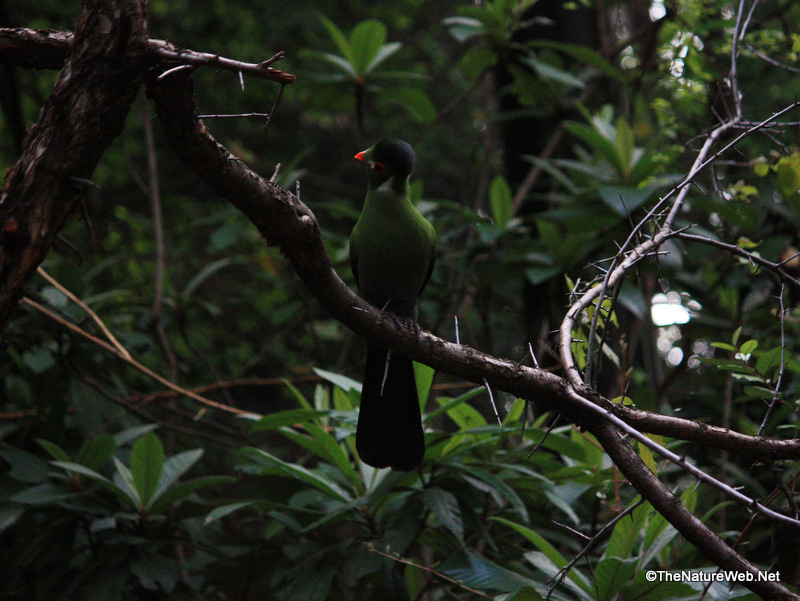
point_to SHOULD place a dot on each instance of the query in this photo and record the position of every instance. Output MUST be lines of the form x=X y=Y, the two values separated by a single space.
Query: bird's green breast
x=394 y=246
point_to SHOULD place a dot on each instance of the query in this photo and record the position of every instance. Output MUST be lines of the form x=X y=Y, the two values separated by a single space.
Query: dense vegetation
x=545 y=132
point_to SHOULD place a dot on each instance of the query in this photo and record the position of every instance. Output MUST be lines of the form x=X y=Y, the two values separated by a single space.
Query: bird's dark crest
x=396 y=155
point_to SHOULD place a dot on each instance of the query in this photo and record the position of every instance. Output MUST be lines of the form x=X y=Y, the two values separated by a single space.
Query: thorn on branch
x=275 y=173
x=494 y=405
x=85 y=182
x=169 y=72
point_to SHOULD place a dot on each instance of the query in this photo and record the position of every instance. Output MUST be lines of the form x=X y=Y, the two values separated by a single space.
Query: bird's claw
x=405 y=322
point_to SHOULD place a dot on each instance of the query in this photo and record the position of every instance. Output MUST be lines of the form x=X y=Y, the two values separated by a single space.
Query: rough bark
x=85 y=112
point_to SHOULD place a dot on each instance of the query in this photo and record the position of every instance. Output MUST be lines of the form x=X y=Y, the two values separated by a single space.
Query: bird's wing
x=354 y=261
x=431 y=264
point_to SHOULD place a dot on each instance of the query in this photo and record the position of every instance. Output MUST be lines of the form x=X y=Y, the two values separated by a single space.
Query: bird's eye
x=379 y=167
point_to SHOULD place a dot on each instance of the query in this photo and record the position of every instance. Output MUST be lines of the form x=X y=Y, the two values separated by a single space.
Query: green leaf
x=315 y=479
x=147 y=462
x=42 y=494
x=95 y=452
x=476 y=571
x=174 y=468
x=223 y=510
x=424 y=377
x=55 y=451
x=338 y=38
x=366 y=40
x=657 y=591
x=382 y=55
x=581 y=586
x=497 y=487
x=626 y=532
x=463 y=28
x=550 y=72
x=413 y=100
x=624 y=199
x=123 y=480
x=126 y=495
x=155 y=571
x=203 y=275
x=273 y=421
x=603 y=146
x=54 y=296
x=625 y=144
x=524 y=594
x=163 y=502
x=129 y=434
x=761 y=168
x=500 y=201
x=324 y=446
x=537 y=540
x=340 y=62
x=444 y=505
x=788 y=170
x=25 y=467
x=748 y=347
x=339 y=380
x=583 y=53
x=515 y=413
x=476 y=60
x=768 y=361
x=613 y=574
x=465 y=416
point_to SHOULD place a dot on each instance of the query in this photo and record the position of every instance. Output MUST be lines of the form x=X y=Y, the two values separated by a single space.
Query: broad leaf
x=612 y=575
x=444 y=505
x=366 y=40
x=318 y=481
x=147 y=462
x=338 y=38
x=95 y=452
x=174 y=468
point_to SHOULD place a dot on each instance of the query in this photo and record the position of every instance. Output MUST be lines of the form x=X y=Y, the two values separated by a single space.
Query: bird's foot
x=404 y=321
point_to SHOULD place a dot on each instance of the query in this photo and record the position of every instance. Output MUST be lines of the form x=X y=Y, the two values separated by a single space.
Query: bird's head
x=389 y=160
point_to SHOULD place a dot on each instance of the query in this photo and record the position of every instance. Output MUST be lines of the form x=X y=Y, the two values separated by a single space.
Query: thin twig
x=562 y=573
x=776 y=394
x=404 y=561
x=115 y=343
x=125 y=356
x=234 y=116
x=153 y=191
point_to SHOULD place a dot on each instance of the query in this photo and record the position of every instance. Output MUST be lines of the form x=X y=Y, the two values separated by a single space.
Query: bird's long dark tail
x=389 y=432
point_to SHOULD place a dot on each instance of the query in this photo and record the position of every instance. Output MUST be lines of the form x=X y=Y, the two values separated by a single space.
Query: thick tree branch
x=46 y=49
x=670 y=506
x=84 y=113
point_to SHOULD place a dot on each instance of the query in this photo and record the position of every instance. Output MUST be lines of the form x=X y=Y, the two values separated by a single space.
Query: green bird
x=392 y=253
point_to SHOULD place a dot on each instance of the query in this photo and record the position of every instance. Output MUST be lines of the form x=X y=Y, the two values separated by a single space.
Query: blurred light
x=657 y=10
x=668 y=314
x=675 y=356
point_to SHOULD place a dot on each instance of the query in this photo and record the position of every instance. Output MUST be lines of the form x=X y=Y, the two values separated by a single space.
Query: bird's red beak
x=360 y=157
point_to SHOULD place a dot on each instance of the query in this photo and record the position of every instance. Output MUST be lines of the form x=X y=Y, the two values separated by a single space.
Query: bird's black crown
x=397 y=156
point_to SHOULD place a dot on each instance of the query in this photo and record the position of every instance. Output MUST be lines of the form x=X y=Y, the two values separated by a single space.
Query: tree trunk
x=84 y=113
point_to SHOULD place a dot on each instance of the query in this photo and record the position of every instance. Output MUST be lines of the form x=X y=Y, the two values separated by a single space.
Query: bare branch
x=49 y=49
